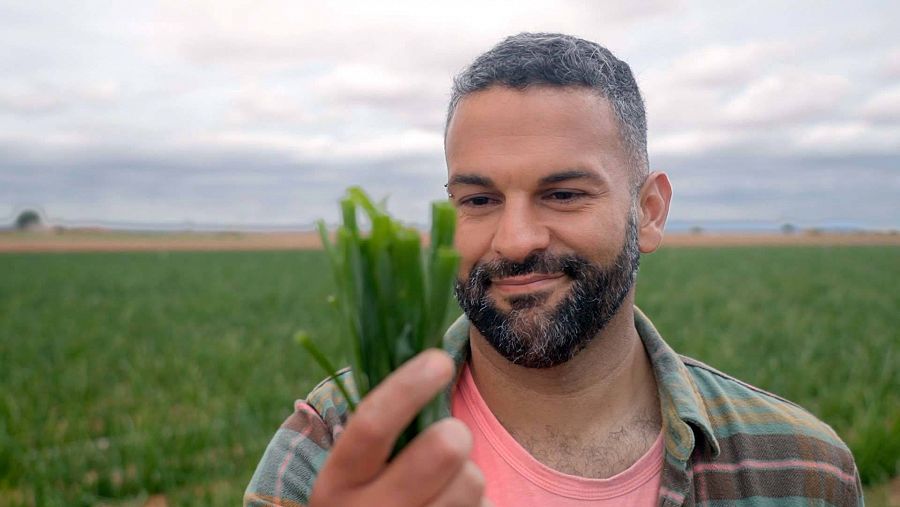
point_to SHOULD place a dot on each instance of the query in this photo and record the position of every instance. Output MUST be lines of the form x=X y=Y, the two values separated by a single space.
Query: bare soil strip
x=140 y=242
x=798 y=239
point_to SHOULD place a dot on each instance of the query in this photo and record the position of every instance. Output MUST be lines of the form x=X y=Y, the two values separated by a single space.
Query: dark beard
x=535 y=338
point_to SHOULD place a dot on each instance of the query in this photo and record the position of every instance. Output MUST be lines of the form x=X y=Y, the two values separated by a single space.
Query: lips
x=525 y=283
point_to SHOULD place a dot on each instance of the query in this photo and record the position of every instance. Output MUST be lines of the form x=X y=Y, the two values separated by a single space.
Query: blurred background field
x=129 y=375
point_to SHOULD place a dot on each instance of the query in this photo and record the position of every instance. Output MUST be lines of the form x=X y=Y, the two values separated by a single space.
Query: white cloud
x=701 y=88
x=693 y=142
x=675 y=108
x=884 y=106
x=719 y=65
x=325 y=147
x=99 y=92
x=415 y=98
x=257 y=103
x=299 y=147
x=405 y=34
x=411 y=142
x=891 y=63
x=787 y=97
x=361 y=83
x=50 y=142
x=30 y=100
x=851 y=137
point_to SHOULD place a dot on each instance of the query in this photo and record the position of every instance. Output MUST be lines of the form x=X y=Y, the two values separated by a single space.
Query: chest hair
x=595 y=456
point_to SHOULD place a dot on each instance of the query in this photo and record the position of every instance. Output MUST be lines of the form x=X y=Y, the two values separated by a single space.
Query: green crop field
x=126 y=375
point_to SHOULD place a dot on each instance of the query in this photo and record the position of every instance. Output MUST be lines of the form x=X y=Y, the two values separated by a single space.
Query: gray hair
x=555 y=59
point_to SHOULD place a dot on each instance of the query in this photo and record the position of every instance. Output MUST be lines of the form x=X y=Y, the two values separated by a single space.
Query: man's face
x=546 y=226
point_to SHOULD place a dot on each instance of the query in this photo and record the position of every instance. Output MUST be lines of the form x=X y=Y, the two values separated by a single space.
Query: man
x=564 y=393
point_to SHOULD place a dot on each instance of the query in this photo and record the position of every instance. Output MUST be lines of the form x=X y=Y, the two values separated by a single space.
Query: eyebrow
x=572 y=174
x=470 y=179
x=483 y=181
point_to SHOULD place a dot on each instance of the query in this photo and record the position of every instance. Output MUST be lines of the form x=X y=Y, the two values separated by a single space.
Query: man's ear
x=653 y=209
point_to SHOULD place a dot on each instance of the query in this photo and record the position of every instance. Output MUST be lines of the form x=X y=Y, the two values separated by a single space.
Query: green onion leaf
x=391 y=294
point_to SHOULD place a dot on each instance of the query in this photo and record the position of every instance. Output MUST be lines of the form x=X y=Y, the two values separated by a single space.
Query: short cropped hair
x=553 y=59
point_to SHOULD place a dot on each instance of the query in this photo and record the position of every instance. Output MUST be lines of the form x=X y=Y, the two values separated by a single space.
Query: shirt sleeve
x=293 y=458
x=855 y=496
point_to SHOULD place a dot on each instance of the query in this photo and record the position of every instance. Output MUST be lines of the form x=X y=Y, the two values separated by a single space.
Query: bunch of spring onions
x=392 y=295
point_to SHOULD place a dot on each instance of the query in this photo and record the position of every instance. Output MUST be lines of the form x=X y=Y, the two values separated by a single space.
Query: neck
x=607 y=385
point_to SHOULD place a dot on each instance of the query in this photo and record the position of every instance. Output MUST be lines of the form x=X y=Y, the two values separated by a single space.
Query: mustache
x=537 y=263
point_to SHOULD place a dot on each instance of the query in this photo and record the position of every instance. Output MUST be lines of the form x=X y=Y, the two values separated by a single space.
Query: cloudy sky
x=262 y=112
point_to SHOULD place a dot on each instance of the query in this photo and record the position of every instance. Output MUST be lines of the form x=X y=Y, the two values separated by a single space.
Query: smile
x=525 y=283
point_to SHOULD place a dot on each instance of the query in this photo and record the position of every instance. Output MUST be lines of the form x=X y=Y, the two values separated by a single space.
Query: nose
x=519 y=233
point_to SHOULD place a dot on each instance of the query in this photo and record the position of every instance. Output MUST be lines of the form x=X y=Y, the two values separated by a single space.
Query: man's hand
x=433 y=470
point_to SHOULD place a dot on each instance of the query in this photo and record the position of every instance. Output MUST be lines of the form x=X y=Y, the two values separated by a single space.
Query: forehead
x=534 y=131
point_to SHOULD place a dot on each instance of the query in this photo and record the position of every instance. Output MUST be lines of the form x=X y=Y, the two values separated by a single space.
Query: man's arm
x=292 y=460
x=433 y=470
x=855 y=496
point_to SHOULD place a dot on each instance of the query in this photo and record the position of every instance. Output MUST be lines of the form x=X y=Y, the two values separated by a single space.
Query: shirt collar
x=683 y=410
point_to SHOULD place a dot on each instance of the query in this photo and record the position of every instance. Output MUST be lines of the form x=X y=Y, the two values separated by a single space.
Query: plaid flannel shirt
x=726 y=442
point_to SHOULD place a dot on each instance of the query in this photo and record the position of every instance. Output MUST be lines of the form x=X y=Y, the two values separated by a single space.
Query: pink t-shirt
x=514 y=478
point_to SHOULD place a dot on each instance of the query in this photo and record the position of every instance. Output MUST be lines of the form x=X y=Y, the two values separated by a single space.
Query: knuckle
x=467 y=489
x=447 y=449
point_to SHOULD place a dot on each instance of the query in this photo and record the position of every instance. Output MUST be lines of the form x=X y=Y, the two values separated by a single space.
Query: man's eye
x=563 y=195
x=478 y=200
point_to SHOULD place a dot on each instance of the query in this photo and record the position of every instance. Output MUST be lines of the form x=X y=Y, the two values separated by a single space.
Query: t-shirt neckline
x=572 y=486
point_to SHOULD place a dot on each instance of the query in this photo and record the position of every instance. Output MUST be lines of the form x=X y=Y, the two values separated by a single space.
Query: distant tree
x=28 y=219
x=788 y=228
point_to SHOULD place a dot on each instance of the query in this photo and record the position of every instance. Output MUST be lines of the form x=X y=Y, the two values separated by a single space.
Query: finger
x=429 y=463
x=466 y=490
x=363 y=448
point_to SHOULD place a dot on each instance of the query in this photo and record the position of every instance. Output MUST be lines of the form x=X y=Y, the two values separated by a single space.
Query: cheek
x=473 y=242
x=598 y=239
